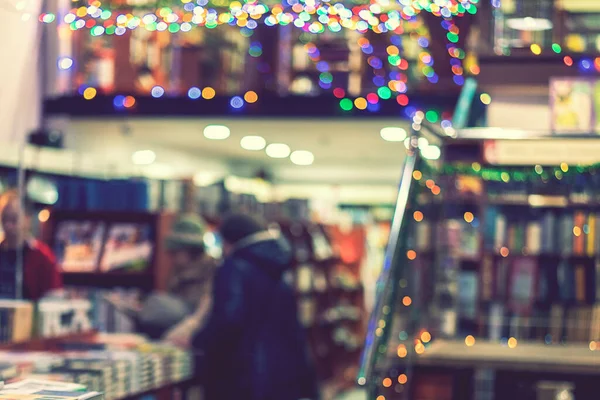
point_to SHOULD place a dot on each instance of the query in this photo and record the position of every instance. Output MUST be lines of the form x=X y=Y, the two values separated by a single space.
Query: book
x=533 y=238
x=591 y=235
x=16 y=321
x=128 y=247
x=78 y=245
x=500 y=237
x=548 y=233
x=566 y=281
x=8 y=370
x=467 y=294
x=487 y=278
x=579 y=237
x=566 y=234
x=522 y=285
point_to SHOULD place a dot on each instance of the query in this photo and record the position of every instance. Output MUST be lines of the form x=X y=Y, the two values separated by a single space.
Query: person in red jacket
x=40 y=275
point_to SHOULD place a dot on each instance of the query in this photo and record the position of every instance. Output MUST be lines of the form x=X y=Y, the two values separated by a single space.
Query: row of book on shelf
x=521 y=231
x=105 y=366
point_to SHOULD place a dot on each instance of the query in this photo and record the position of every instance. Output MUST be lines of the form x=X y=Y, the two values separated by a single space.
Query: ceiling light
x=431 y=152
x=278 y=150
x=302 y=157
x=143 y=157
x=529 y=24
x=216 y=132
x=422 y=143
x=253 y=143
x=393 y=134
x=204 y=179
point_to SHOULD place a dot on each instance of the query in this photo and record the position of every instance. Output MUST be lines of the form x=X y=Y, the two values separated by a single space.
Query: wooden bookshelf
x=526 y=356
x=490 y=276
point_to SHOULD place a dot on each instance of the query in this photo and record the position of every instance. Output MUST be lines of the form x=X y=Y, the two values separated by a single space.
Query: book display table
x=118 y=367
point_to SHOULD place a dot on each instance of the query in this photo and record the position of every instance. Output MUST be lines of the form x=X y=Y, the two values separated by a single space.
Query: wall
x=20 y=91
x=519 y=108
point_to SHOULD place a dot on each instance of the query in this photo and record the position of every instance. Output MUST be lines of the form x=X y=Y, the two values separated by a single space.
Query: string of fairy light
x=310 y=16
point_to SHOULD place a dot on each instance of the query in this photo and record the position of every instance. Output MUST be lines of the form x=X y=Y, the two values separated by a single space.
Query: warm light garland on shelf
x=507 y=175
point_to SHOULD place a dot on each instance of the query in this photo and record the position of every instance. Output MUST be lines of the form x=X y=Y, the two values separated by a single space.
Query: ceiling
x=346 y=151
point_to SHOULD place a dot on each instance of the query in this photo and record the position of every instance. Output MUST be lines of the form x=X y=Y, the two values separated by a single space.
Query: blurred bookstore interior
x=434 y=166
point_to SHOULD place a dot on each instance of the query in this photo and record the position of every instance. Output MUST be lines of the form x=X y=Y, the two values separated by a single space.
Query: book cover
x=78 y=245
x=129 y=247
x=523 y=278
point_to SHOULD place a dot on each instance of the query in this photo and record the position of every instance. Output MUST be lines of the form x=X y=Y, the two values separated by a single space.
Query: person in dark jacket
x=253 y=344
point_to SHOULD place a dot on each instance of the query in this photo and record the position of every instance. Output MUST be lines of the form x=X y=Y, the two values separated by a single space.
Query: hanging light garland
x=310 y=16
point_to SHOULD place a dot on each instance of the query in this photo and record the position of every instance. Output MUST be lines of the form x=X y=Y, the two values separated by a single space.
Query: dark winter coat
x=254 y=346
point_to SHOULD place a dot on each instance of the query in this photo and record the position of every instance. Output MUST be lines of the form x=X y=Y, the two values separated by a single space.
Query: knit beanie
x=236 y=227
x=187 y=232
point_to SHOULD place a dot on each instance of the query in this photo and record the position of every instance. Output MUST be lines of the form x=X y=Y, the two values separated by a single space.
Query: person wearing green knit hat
x=191 y=275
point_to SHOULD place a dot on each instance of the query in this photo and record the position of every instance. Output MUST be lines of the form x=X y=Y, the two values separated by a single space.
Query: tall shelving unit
x=490 y=288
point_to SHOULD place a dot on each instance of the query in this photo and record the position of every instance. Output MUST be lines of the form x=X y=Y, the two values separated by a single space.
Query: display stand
x=490 y=285
x=155 y=274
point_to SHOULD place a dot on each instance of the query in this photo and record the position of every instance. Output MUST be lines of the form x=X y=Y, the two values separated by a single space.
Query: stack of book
x=116 y=370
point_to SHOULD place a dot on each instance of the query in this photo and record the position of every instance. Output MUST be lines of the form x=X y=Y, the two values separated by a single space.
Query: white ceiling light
x=143 y=157
x=393 y=134
x=216 y=132
x=529 y=24
x=278 y=150
x=431 y=152
x=302 y=157
x=253 y=143
x=203 y=179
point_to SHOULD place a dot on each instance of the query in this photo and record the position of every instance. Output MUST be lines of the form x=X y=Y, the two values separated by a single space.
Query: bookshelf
x=493 y=275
